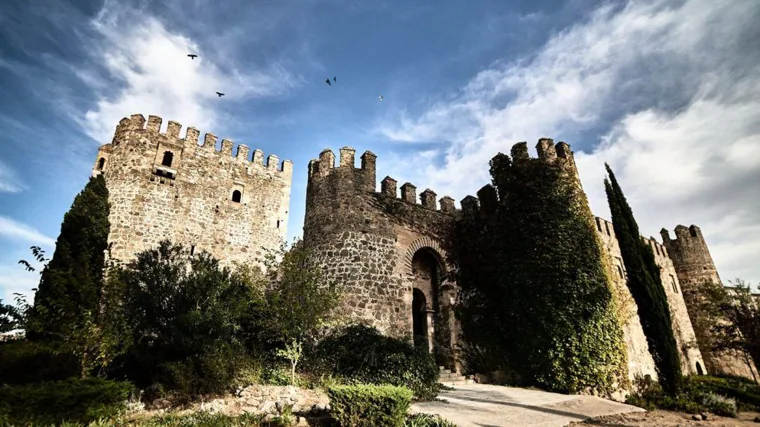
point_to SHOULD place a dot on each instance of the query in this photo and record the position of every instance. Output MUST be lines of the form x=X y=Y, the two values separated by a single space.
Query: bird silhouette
x=220 y=94
x=380 y=97
x=335 y=79
x=26 y=265
x=192 y=56
x=328 y=81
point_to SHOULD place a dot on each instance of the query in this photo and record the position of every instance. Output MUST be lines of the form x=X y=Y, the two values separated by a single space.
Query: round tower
x=354 y=241
x=690 y=255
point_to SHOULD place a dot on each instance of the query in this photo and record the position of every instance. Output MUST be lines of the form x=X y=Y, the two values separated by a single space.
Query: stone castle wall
x=639 y=359
x=693 y=265
x=366 y=239
x=164 y=187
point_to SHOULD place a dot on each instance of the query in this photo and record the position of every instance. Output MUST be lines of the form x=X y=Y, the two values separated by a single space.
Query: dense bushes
x=697 y=394
x=746 y=392
x=535 y=302
x=369 y=405
x=181 y=327
x=72 y=400
x=360 y=354
x=22 y=362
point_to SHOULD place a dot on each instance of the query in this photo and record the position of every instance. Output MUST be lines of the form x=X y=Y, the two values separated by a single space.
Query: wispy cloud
x=9 y=182
x=19 y=231
x=670 y=86
x=145 y=69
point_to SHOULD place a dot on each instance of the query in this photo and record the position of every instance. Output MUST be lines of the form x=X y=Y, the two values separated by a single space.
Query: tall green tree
x=71 y=283
x=646 y=287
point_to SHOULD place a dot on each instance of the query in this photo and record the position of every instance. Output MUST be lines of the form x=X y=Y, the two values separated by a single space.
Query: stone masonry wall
x=640 y=362
x=190 y=201
x=639 y=359
x=365 y=239
x=693 y=264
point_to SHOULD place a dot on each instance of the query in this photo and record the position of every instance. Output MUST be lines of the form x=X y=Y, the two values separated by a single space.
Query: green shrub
x=23 y=362
x=182 y=328
x=369 y=405
x=427 y=420
x=697 y=394
x=69 y=400
x=361 y=354
x=745 y=392
x=719 y=405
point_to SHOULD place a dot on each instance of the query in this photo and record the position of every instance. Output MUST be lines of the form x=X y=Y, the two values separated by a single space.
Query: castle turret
x=367 y=240
x=694 y=265
x=690 y=255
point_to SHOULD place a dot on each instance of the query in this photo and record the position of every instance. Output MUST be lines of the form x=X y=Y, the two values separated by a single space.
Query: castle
x=385 y=250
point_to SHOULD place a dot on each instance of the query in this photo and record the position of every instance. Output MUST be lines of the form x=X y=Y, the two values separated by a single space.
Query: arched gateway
x=431 y=316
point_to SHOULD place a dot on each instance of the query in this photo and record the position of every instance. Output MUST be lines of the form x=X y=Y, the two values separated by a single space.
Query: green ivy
x=535 y=301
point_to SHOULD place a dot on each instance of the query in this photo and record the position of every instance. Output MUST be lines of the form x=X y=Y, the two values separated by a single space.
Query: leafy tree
x=299 y=300
x=293 y=352
x=726 y=318
x=72 y=281
x=646 y=287
x=179 y=320
x=12 y=317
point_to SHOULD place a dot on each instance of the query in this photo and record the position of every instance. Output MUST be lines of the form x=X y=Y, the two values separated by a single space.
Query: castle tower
x=386 y=251
x=694 y=265
x=162 y=186
x=690 y=255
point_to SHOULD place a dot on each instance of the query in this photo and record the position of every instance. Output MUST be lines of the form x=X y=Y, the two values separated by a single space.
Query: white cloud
x=671 y=85
x=146 y=70
x=15 y=230
x=14 y=279
x=9 y=183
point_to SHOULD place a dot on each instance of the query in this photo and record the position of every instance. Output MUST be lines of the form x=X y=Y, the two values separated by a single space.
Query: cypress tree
x=71 y=283
x=645 y=284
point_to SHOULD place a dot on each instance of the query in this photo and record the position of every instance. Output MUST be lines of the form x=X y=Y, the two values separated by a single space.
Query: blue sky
x=666 y=91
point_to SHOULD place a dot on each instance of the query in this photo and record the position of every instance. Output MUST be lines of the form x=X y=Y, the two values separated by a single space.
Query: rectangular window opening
x=192 y=250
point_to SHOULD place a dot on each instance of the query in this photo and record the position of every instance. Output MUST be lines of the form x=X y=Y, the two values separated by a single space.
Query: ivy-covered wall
x=535 y=301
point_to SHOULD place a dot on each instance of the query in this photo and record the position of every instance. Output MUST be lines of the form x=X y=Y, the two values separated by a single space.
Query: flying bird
x=192 y=56
x=328 y=81
x=335 y=79
x=380 y=97
x=26 y=265
x=220 y=94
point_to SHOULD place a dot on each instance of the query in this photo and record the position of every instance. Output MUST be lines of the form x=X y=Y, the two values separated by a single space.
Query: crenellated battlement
x=488 y=197
x=363 y=177
x=135 y=126
x=325 y=164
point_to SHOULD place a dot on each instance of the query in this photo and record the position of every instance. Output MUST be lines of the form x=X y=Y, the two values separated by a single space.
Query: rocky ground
x=668 y=419
x=256 y=399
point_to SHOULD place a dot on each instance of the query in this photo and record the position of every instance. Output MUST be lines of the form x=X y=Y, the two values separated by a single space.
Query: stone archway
x=425 y=269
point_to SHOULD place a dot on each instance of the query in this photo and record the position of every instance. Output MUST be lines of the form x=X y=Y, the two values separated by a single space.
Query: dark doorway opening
x=419 y=319
x=699 y=369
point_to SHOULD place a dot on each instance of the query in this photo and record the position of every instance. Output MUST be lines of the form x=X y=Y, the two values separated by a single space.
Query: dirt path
x=480 y=405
